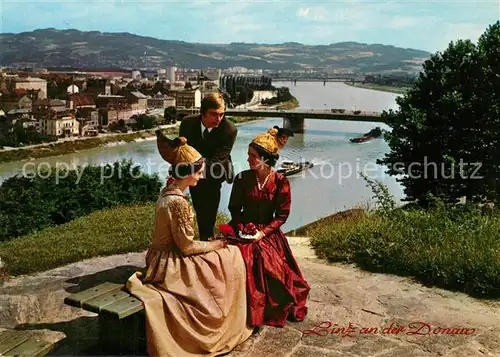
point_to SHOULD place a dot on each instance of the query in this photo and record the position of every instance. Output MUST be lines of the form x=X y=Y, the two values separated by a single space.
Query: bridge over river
x=294 y=119
x=294 y=80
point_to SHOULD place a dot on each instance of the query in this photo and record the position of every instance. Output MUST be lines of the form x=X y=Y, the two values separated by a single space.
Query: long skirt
x=276 y=288
x=194 y=305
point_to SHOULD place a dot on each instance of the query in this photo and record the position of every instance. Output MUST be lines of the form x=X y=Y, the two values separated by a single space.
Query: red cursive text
x=326 y=328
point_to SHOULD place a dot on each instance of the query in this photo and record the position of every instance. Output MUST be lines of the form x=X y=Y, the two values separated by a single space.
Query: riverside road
x=338 y=114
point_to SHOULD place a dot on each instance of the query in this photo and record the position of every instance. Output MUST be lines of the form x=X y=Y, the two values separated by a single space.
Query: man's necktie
x=205 y=134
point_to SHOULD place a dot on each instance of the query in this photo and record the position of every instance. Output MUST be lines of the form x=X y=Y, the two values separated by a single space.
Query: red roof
x=81 y=100
x=13 y=96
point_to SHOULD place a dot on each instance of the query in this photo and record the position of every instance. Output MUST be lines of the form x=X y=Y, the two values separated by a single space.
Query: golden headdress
x=176 y=151
x=268 y=141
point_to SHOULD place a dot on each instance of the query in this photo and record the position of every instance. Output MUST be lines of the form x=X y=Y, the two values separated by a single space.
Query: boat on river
x=289 y=168
x=372 y=134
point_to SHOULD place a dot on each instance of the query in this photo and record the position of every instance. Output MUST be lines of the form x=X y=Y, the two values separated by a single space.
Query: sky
x=426 y=24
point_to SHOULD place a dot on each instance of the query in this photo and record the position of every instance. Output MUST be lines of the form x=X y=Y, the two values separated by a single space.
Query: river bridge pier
x=317 y=79
x=295 y=119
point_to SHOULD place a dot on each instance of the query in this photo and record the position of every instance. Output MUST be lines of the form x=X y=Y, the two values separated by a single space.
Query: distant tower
x=171 y=74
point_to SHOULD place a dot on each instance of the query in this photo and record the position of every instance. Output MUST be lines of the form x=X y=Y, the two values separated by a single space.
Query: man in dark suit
x=213 y=136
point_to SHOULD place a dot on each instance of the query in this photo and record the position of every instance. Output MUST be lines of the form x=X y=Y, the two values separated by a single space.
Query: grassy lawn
x=379 y=87
x=450 y=247
x=117 y=230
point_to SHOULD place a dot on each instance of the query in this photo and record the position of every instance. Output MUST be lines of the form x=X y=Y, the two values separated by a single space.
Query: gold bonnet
x=268 y=141
x=176 y=151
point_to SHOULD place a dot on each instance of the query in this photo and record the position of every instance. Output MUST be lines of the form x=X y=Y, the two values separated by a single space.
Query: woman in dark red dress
x=277 y=290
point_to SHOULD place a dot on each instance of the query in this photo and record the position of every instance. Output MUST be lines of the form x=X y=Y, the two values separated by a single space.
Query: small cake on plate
x=249 y=231
x=246 y=236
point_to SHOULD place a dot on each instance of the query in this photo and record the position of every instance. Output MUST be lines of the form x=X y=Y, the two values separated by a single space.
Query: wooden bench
x=19 y=343
x=122 y=327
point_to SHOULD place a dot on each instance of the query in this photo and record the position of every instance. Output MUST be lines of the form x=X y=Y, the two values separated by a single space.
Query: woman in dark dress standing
x=276 y=288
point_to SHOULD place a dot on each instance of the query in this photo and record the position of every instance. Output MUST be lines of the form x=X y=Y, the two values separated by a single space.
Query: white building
x=72 y=89
x=34 y=83
x=63 y=126
x=188 y=98
x=136 y=75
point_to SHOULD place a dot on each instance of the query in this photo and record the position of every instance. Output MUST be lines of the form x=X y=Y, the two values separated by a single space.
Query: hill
x=94 y=49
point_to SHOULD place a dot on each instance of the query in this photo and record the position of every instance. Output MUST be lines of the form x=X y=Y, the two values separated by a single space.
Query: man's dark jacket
x=217 y=148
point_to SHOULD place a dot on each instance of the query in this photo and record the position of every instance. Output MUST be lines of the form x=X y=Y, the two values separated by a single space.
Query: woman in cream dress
x=194 y=292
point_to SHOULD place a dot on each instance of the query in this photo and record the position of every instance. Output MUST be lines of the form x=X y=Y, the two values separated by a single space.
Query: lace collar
x=172 y=190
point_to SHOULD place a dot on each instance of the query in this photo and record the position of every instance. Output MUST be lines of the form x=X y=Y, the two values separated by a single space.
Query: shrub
x=454 y=247
x=28 y=204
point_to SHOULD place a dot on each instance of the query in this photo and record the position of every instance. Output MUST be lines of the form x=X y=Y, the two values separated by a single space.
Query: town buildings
x=63 y=104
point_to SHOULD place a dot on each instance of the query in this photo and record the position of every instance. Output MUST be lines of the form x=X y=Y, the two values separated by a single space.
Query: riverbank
x=79 y=144
x=64 y=147
x=258 y=95
x=289 y=104
x=286 y=105
x=379 y=87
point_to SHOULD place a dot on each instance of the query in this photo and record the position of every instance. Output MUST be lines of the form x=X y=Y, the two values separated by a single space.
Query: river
x=332 y=185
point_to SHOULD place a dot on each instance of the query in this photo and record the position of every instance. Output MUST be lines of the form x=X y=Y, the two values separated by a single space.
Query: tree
x=170 y=114
x=447 y=123
x=488 y=95
x=159 y=86
x=245 y=95
x=227 y=98
x=145 y=122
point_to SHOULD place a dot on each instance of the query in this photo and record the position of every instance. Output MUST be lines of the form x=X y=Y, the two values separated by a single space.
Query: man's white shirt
x=203 y=129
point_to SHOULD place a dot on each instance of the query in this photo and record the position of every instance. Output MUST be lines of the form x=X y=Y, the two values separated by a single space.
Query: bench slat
x=79 y=298
x=124 y=307
x=9 y=339
x=98 y=303
x=31 y=348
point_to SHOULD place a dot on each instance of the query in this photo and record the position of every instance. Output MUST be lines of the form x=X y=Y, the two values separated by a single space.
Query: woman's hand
x=220 y=243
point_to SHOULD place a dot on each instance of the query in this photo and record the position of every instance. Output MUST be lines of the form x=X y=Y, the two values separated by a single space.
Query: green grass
x=117 y=230
x=379 y=87
x=450 y=247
